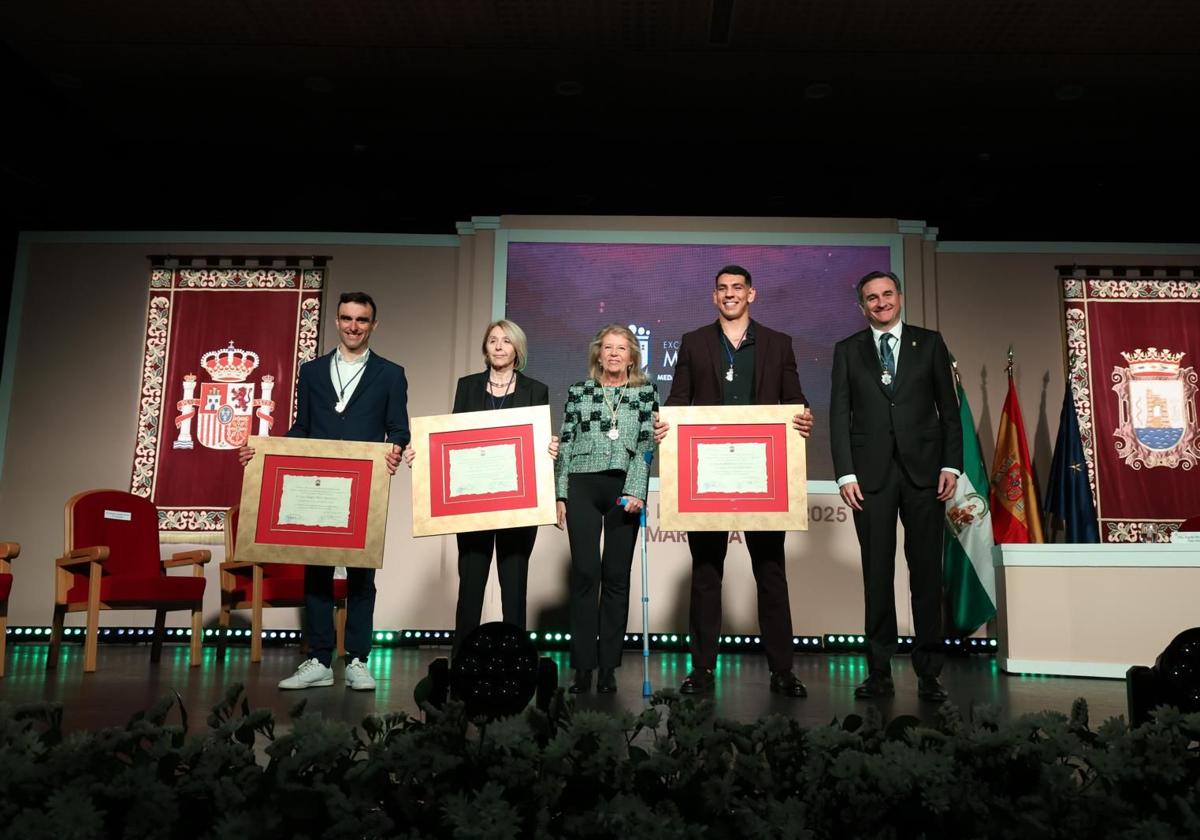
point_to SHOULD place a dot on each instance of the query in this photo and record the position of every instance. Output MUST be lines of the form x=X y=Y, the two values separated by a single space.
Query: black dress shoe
x=874 y=686
x=699 y=681
x=606 y=681
x=583 y=682
x=785 y=682
x=928 y=688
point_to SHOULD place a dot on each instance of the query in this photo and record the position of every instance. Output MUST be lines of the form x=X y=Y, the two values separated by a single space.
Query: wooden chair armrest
x=195 y=557
x=83 y=556
x=8 y=550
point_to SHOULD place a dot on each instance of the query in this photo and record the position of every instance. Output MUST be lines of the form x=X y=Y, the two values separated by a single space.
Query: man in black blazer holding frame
x=738 y=361
x=897 y=450
x=350 y=393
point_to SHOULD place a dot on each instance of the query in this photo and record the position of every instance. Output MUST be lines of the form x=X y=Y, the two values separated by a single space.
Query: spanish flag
x=1016 y=514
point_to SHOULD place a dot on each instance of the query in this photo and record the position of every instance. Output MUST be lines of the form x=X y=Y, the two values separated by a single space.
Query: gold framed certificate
x=732 y=468
x=481 y=470
x=314 y=502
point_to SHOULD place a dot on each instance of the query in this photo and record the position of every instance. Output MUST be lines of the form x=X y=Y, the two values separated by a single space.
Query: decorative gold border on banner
x=369 y=556
x=425 y=524
x=669 y=517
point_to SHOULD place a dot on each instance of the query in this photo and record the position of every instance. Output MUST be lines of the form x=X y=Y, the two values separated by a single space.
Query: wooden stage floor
x=126 y=682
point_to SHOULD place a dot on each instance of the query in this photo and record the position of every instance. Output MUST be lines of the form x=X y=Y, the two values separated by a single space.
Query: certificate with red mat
x=314 y=502
x=732 y=468
x=482 y=470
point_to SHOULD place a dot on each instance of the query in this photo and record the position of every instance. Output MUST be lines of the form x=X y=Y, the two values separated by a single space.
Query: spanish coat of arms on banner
x=223 y=348
x=226 y=407
x=1136 y=400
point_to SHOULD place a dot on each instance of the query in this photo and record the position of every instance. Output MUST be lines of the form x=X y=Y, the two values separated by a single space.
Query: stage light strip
x=543 y=639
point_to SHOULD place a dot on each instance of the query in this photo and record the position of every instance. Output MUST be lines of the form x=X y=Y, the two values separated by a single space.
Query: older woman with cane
x=602 y=478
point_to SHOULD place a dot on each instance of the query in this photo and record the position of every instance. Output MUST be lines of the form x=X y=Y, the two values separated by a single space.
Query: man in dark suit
x=897 y=450
x=738 y=361
x=349 y=393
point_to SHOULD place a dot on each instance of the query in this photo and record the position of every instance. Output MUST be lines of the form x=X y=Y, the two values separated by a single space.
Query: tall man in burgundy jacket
x=738 y=361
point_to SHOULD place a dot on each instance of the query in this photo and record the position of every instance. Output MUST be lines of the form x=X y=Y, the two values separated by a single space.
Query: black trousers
x=774 y=607
x=318 y=612
x=597 y=636
x=922 y=516
x=512 y=547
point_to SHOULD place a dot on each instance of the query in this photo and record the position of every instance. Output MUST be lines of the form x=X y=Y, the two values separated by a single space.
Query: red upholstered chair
x=111 y=561
x=252 y=586
x=1192 y=524
x=8 y=551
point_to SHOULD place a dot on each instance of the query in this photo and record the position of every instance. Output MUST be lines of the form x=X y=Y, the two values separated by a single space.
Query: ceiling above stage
x=991 y=119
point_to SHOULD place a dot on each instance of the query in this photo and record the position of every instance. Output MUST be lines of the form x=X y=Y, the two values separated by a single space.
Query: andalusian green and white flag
x=969 y=577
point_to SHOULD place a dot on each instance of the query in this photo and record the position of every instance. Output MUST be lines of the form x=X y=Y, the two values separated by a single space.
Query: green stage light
x=389 y=636
x=674 y=638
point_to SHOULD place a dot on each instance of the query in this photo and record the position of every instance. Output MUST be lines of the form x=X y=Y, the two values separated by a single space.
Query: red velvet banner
x=222 y=349
x=1132 y=348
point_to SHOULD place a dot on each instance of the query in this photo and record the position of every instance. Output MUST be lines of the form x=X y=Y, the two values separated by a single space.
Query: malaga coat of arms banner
x=1133 y=344
x=222 y=350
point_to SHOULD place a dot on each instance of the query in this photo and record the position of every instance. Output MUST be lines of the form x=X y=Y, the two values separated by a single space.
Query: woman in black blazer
x=501 y=385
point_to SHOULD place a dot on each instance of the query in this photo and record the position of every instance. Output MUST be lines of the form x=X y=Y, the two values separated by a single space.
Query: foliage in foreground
x=675 y=770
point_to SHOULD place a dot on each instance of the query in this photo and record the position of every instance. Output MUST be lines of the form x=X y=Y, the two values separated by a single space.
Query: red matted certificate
x=732 y=468
x=482 y=470
x=314 y=502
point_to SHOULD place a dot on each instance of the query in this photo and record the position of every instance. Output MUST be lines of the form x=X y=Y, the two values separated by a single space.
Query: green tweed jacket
x=584 y=445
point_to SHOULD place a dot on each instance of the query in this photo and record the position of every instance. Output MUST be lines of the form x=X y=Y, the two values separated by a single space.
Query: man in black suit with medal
x=738 y=361
x=349 y=393
x=897 y=451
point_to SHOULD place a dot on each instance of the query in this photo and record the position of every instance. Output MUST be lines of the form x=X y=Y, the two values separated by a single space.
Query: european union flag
x=1069 y=497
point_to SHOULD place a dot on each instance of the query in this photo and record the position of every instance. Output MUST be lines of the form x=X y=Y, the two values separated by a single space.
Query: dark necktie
x=889 y=361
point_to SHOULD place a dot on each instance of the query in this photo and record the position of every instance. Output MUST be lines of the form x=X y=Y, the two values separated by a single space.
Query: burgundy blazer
x=697 y=379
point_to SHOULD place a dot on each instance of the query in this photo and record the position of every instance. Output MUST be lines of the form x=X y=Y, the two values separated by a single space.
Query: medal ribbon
x=338 y=373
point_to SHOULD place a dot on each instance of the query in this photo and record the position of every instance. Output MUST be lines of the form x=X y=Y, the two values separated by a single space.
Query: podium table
x=1092 y=610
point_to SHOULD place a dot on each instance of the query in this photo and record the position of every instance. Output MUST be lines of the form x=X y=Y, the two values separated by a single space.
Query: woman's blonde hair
x=595 y=369
x=515 y=334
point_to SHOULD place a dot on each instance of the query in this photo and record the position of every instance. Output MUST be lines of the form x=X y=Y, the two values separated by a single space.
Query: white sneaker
x=358 y=677
x=310 y=674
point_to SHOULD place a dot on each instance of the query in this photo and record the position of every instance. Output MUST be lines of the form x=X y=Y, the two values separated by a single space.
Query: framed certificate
x=314 y=502
x=732 y=468
x=482 y=469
